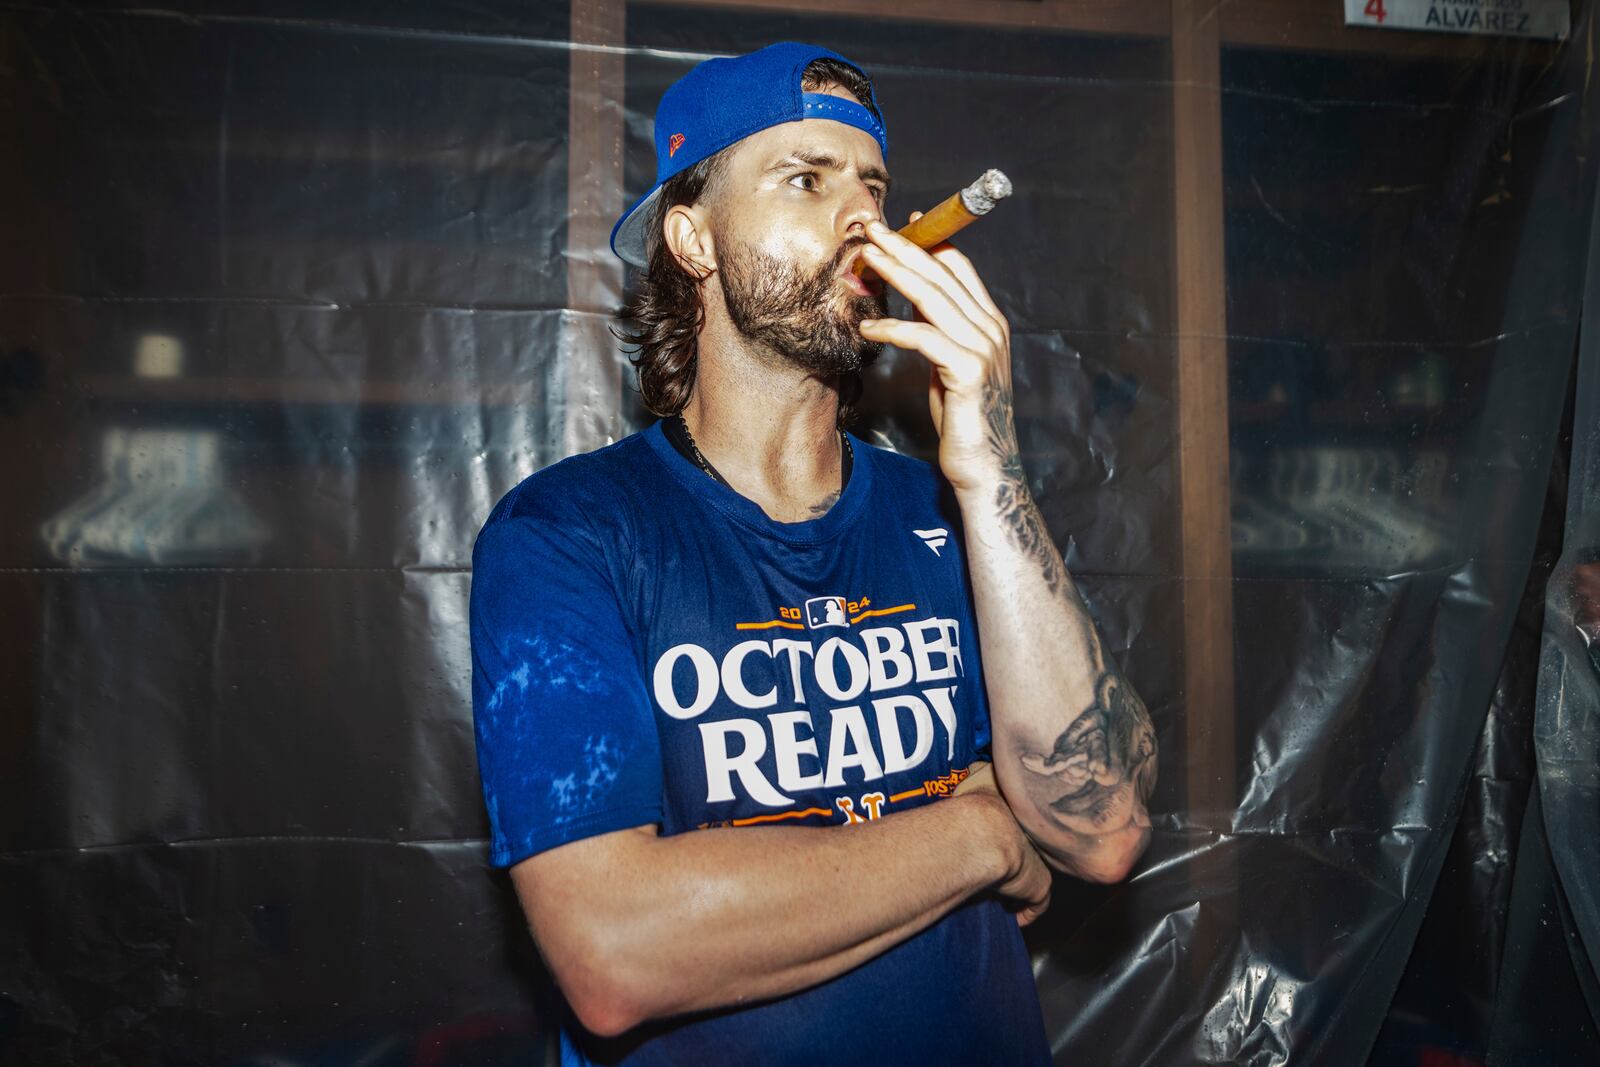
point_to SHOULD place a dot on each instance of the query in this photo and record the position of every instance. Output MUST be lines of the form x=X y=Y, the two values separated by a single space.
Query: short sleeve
x=566 y=737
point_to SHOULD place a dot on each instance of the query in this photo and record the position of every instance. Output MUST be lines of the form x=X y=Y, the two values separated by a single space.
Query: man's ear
x=687 y=231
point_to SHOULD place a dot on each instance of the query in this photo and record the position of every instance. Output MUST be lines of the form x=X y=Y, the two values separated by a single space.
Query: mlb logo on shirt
x=824 y=611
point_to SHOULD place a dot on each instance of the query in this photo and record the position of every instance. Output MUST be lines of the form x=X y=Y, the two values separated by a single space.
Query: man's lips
x=869 y=285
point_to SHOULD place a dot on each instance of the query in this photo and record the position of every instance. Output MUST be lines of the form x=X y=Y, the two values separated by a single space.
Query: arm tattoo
x=1106 y=753
x=1012 y=499
x=1106 y=757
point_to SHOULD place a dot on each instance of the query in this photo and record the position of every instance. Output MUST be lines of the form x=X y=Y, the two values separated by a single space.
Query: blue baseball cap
x=723 y=101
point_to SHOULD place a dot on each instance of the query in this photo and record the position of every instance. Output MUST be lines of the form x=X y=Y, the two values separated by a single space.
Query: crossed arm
x=636 y=926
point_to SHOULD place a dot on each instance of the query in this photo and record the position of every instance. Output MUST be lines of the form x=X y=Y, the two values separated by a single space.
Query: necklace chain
x=699 y=457
x=705 y=464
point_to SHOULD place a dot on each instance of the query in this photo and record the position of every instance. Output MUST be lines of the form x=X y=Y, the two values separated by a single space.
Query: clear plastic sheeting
x=1567 y=719
x=297 y=291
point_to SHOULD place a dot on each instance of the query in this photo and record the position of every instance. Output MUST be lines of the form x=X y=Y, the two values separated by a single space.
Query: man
x=733 y=676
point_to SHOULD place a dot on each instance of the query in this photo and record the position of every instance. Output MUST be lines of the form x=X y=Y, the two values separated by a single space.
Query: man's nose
x=862 y=208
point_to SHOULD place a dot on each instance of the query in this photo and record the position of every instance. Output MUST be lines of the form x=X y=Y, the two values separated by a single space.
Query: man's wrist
x=975 y=492
x=981 y=500
x=995 y=839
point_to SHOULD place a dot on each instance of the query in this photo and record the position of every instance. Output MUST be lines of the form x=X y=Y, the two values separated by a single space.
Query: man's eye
x=808 y=182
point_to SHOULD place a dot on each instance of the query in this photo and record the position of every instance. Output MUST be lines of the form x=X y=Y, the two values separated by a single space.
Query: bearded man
x=737 y=678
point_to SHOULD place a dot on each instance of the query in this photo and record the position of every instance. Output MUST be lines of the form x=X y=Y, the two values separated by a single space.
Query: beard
x=800 y=316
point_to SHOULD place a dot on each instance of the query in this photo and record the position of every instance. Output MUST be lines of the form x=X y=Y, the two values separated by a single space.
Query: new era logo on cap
x=674 y=143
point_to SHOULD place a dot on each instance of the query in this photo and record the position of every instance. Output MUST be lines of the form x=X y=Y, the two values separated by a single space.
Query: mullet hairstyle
x=668 y=311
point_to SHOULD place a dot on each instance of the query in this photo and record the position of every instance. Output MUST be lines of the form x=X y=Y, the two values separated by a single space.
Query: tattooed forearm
x=1012 y=500
x=1105 y=758
x=1002 y=431
x=1084 y=799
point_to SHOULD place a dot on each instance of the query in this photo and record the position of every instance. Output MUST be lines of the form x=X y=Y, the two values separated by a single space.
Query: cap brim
x=628 y=235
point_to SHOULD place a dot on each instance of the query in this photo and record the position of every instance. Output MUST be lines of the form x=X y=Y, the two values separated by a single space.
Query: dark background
x=239 y=811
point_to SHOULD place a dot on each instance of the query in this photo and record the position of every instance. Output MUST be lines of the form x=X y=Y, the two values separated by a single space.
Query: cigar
x=958 y=211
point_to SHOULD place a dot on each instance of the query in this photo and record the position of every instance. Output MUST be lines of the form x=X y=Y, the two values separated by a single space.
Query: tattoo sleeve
x=1012 y=499
x=1103 y=764
x=1104 y=759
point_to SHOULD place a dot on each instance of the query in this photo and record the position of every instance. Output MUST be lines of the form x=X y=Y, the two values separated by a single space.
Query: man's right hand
x=1026 y=886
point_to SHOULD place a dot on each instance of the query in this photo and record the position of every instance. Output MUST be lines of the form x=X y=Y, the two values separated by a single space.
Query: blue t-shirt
x=648 y=647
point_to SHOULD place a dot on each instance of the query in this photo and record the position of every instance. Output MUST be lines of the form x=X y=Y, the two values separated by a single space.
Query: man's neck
x=769 y=428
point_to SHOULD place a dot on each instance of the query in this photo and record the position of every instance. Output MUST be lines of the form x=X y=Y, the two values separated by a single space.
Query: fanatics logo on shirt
x=934 y=539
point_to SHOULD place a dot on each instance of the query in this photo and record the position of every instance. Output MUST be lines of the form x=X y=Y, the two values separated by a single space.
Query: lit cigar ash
x=957 y=211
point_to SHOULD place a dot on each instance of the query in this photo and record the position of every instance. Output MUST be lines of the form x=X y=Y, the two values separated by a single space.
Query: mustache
x=846 y=250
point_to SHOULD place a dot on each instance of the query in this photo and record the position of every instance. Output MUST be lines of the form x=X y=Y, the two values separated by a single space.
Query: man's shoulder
x=580 y=490
x=898 y=464
x=897 y=472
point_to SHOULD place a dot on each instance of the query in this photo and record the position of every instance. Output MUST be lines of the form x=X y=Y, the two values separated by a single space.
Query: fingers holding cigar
x=930 y=231
x=967 y=350
x=940 y=283
x=960 y=266
x=931 y=287
x=956 y=212
x=965 y=340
